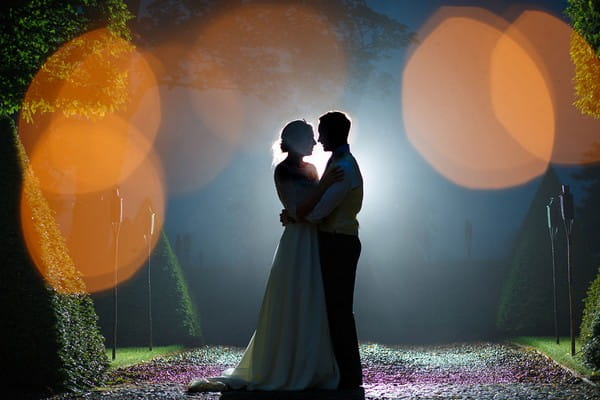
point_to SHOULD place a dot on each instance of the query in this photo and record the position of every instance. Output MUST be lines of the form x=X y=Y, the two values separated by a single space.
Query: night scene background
x=162 y=140
x=415 y=273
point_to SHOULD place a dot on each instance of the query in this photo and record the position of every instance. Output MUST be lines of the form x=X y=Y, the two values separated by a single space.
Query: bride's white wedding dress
x=291 y=347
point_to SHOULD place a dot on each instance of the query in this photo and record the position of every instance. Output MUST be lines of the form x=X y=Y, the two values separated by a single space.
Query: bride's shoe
x=204 y=385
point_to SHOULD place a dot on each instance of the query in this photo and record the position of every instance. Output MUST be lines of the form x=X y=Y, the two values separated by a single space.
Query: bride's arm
x=286 y=193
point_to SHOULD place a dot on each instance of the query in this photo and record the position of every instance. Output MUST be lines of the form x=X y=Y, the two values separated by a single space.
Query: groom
x=339 y=244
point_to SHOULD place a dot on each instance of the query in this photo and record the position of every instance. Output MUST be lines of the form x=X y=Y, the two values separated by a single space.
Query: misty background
x=417 y=271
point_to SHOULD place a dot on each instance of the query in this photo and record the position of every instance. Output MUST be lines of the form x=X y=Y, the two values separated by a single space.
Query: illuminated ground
x=479 y=371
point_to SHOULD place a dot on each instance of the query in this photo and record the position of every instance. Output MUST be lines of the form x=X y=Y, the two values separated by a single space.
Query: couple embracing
x=306 y=336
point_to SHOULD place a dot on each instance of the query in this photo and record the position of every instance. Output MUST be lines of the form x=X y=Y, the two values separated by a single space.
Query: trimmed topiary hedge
x=50 y=339
x=526 y=301
x=590 y=325
x=174 y=316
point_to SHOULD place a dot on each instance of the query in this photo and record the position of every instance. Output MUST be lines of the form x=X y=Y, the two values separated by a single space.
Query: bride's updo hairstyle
x=294 y=132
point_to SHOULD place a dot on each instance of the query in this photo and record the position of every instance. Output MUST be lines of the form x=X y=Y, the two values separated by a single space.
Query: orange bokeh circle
x=90 y=118
x=97 y=87
x=458 y=92
x=222 y=76
x=89 y=221
x=549 y=39
x=78 y=155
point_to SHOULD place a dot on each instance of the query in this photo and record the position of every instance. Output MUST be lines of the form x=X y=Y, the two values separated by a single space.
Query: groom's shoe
x=354 y=393
x=348 y=384
x=204 y=385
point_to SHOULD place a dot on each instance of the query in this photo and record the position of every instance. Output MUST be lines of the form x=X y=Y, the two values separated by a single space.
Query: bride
x=291 y=347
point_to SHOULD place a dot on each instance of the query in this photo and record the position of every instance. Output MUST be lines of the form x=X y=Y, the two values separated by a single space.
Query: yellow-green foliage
x=585 y=19
x=49 y=329
x=94 y=69
x=51 y=254
x=587 y=76
x=585 y=53
x=32 y=31
x=591 y=310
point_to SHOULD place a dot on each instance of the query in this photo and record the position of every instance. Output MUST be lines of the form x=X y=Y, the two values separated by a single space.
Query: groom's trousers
x=339 y=255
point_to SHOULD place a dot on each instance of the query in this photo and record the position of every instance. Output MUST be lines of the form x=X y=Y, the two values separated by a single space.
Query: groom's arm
x=332 y=197
x=330 y=200
x=331 y=176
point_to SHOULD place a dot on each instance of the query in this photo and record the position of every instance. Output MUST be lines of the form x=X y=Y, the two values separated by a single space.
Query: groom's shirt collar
x=343 y=149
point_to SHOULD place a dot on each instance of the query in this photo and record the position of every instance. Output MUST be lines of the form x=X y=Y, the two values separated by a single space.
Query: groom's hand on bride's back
x=285 y=218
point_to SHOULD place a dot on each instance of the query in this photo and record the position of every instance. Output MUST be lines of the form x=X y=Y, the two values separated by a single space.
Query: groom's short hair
x=337 y=124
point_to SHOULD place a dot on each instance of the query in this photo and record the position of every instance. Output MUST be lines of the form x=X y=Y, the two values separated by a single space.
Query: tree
x=585 y=53
x=34 y=30
x=270 y=49
x=585 y=18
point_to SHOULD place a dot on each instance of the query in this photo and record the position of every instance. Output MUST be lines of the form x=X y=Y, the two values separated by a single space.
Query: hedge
x=50 y=338
x=526 y=301
x=590 y=326
x=174 y=316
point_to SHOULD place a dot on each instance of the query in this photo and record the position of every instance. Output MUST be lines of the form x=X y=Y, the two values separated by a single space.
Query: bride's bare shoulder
x=311 y=172
x=283 y=171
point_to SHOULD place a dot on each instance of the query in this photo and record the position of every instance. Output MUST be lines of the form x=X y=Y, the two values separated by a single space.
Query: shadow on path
x=358 y=394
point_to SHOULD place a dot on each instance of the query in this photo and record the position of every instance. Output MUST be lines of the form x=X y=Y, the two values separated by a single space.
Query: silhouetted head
x=334 y=128
x=298 y=137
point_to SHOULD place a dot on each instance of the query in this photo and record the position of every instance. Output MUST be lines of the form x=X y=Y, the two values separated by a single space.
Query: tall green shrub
x=526 y=301
x=175 y=318
x=590 y=325
x=49 y=334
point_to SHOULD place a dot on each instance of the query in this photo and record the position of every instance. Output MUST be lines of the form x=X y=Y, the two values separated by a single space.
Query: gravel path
x=478 y=371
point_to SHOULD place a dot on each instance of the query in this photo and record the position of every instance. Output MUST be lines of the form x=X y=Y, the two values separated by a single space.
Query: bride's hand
x=330 y=177
x=285 y=218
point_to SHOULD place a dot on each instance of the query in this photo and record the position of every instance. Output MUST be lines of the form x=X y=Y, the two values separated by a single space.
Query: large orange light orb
x=475 y=104
x=90 y=119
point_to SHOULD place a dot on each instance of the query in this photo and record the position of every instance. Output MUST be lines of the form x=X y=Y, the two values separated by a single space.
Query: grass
x=126 y=356
x=561 y=353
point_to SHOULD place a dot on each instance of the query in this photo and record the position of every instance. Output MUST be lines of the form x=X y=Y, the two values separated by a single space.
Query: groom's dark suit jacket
x=339 y=252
